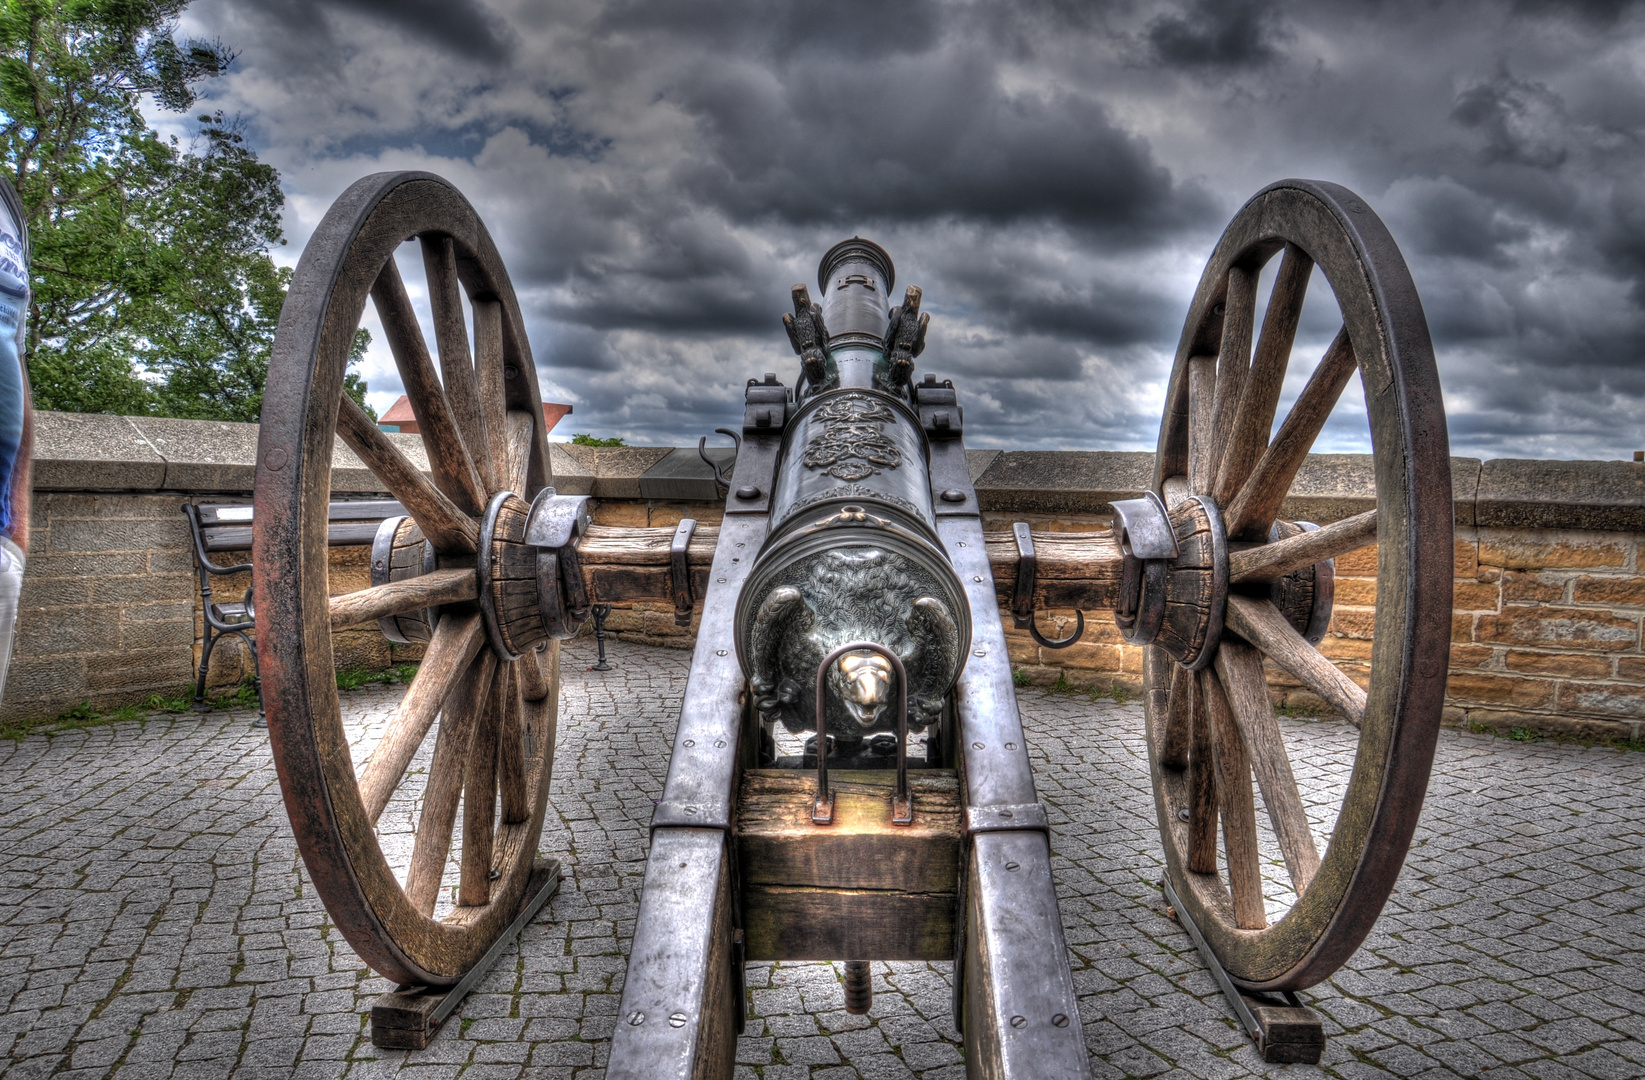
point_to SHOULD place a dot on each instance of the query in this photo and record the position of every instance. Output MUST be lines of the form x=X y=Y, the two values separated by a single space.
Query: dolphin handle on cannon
x=852 y=594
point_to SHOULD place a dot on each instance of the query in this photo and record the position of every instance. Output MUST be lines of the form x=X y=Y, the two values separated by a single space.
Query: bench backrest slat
x=228 y=527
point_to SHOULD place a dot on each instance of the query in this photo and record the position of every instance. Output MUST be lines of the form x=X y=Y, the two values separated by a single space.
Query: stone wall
x=1550 y=592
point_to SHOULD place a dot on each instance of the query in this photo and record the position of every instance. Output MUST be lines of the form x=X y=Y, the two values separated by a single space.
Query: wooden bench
x=227 y=527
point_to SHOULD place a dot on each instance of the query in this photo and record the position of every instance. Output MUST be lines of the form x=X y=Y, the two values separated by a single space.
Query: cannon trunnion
x=850 y=778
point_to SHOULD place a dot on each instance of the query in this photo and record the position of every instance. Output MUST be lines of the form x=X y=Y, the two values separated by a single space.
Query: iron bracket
x=1022 y=598
x=765 y=413
x=680 y=570
x=1147 y=542
x=554 y=527
x=980 y=819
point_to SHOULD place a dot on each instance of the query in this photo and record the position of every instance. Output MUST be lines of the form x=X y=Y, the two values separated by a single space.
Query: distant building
x=400 y=418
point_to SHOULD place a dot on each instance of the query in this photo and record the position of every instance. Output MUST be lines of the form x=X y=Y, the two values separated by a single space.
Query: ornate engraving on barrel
x=852 y=594
x=857 y=491
x=852 y=445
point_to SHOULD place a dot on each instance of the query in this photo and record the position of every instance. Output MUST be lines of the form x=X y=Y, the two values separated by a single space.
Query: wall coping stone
x=99 y=452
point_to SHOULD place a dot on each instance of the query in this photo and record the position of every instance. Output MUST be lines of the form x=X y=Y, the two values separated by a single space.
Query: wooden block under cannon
x=861 y=888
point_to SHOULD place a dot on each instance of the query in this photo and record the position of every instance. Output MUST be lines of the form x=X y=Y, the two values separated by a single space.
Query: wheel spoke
x=445 y=297
x=445 y=783
x=1202 y=788
x=1240 y=668
x=511 y=768
x=1249 y=436
x=1260 y=623
x=1257 y=504
x=480 y=795
x=1233 y=362
x=1179 y=718
x=443 y=523
x=449 y=655
x=1239 y=808
x=448 y=458
x=1273 y=561
x=522 y=433
x=488 y=364
x=399 y=597
x=1202 y=398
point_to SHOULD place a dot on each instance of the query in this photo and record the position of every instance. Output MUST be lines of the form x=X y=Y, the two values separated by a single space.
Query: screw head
x=1183 y=814
x=676 y=1020
x=1060 y=1020
x=953 y=495
x=1018 y=1021
x=748 y=492
x=636 y=1018
x=1013 y=867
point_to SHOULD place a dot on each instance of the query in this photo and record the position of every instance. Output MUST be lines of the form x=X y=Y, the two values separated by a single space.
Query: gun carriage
x=851 y=595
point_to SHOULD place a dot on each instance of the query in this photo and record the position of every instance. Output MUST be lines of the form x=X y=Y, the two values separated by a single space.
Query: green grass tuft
x=355 y=677
x=1020 y=677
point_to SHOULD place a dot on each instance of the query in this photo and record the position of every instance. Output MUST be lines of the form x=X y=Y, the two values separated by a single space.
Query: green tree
x=154 y=288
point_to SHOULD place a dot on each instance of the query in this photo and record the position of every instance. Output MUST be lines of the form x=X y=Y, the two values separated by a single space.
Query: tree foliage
x=154 y=288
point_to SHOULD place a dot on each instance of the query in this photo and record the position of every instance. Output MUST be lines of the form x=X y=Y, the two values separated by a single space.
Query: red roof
x=400 y=415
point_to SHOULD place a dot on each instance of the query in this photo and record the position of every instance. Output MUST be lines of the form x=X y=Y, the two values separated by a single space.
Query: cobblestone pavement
x=155 y=922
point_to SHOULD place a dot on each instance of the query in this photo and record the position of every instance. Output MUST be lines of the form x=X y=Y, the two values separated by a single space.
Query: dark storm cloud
x=1052 y=174
x=1217 y=34
x=464 y=27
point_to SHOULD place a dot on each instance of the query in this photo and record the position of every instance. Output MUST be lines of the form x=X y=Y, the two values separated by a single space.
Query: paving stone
x=155 y=920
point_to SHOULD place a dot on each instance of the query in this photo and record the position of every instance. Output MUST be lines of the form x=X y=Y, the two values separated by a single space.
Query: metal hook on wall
x=722 y=480
x=1048 y=643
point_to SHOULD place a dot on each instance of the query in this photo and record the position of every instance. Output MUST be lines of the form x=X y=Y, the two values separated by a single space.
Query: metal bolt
x=719 y=744
x=1060 y=1020
x=691 y=742
x=1006 y=814
x=1013 y=867
x=977 y=577
x=1018 y=1021
x=976 y=746
x=1183 y=814
x=748 y=492
x=636 y=1018
x=1010 y=746
x=676 y=1020
x=953 y=495
x=719 y=652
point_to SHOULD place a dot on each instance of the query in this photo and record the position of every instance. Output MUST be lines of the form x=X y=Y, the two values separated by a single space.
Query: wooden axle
x=1079 y=571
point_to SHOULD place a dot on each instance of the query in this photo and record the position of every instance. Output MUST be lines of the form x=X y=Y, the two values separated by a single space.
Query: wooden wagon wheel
x=1211 y=725
x=482 y=427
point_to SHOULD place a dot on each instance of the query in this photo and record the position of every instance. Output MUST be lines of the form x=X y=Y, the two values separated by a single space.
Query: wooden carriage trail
x=157 y=923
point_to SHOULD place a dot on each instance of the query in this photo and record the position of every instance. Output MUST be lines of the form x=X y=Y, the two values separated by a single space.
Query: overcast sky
x=1053 y=174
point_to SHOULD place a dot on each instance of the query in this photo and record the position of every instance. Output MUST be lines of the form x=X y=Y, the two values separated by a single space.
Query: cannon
x=850 y=779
